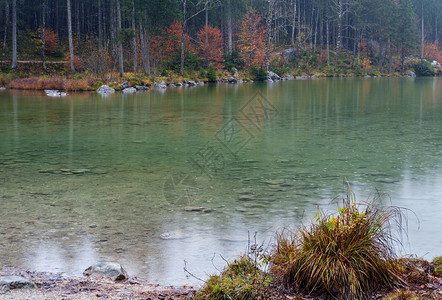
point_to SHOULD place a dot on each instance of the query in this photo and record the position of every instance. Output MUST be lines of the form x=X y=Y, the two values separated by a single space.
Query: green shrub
x=241 y=279
x=233 y=61
x=212 y=74
x=347 y=256
x=424 y=68
x=258 y=74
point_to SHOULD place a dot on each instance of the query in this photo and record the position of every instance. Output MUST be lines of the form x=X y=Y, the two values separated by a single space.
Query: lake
x=161 y=179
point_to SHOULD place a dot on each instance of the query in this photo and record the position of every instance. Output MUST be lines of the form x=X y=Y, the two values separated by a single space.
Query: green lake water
x=86 y=178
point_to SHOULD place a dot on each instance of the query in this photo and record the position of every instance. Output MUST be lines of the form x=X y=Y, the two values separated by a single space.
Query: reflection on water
x=86 y=178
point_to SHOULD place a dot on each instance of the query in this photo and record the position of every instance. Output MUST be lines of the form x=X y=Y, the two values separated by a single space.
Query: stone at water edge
x=107 y=269
x=125 y=85
x=105 y=90
x=160 y=85
x=129 y=90
x=15 y=282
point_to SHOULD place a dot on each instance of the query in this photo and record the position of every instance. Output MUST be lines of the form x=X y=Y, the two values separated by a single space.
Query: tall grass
x=348 y=255
x=51 y=83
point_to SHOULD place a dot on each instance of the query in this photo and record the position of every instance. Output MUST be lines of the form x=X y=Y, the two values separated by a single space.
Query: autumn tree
x=211 y=46
x=251 y=39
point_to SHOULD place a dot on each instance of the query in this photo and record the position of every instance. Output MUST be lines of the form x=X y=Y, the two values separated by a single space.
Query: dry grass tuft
x=347 y=256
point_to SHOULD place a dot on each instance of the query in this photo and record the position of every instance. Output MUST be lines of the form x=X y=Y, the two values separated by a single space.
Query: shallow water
x=85 y=178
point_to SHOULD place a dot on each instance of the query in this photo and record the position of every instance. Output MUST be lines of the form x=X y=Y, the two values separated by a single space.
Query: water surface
x=85 y=178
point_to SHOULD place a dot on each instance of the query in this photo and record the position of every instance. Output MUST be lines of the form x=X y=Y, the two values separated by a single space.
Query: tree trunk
x=182 y=37
x=145 y=46
x=6 y=23
x=77 y=19
x=339 y=33
x=229 y=28
x=206 y=6
x=422 y=31
x=71 y=44
x=391 y=57
x=43 y=29
x=120 y=46
x=14 y=34
x=134 y=39
x=100 y=38
x=269 y=20
x=294 y=22
x=381 y=56
x=328 y=44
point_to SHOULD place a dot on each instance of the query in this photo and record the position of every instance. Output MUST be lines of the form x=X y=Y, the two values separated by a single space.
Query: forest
x=211 y=38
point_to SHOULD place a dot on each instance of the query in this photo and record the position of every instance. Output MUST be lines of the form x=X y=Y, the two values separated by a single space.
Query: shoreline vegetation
x=346 y=254
x=85 y=82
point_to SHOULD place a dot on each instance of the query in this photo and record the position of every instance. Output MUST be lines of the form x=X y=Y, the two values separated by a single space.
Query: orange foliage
x=251 y=39
x=366 y=64
x=211 y=46
x=169 y=42
x=51 y=40
x=433 y=52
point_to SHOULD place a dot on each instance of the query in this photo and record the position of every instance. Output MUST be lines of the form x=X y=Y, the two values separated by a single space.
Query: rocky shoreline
x=24 y=284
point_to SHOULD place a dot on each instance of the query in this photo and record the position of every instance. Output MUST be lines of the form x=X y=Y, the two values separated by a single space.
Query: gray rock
x=289 y=77
x=171 y=85
x=160 y=85
x=313 y=77
x=142 y=88
x=268 y=80
x=55 y=93
x=125 y=85
x=185 y=84
x=232 y=80
x=410 y=74
x=289 y=53
x=129 y=90
x=178 y=84
x=302 y=77
x=200 y=83
x=2 y=88
x=197 y=209
x=185 y=81
x=107 y=269
x=15 y=282
x=239 y=81
x=273 y=76
x=105 y=90
x=251 y=80
x=191 y=83
x=235 y=71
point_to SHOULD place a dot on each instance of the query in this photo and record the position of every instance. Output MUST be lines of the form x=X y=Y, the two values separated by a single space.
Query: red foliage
x=169 y=42
x=211 y=46
x=363 y=48
x=251 y=39
x=51 y=40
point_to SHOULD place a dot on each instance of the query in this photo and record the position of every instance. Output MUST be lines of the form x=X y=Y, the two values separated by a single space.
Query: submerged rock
x=107 y=269
x=15 y=282
x=105 y=90
x=197 y=209
x=175 y=235
x=55 y=93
